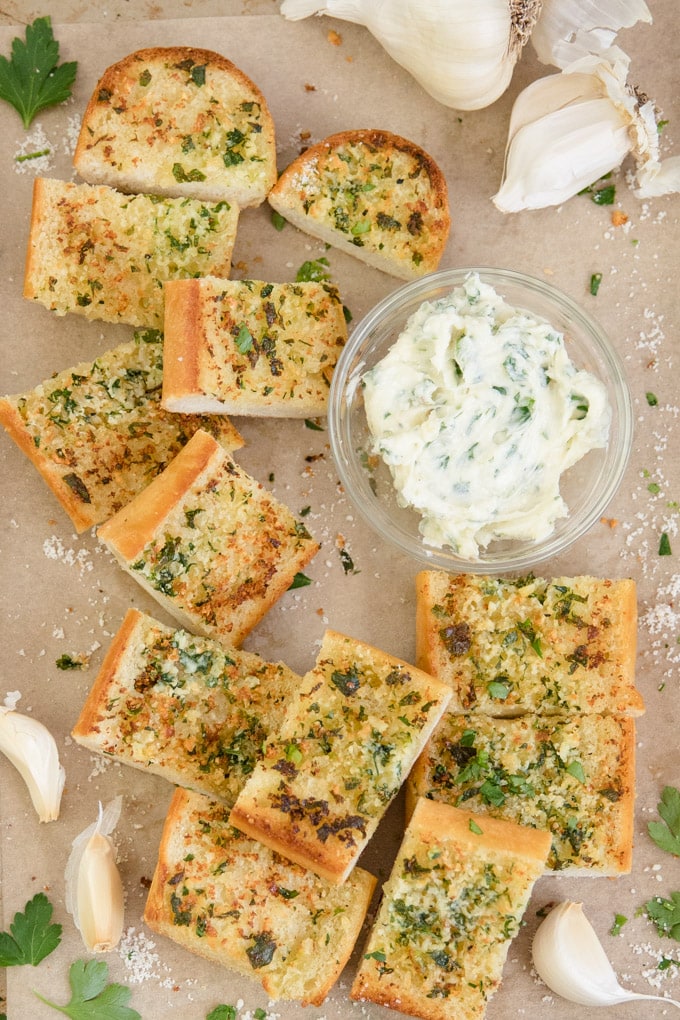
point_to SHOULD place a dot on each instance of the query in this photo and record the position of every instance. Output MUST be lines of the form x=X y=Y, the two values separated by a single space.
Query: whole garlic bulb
x=462 y=52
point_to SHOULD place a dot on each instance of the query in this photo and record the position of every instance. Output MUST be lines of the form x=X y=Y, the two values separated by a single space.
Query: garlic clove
x=31 y=748
x=94 y=890
x=570 y=960
x=569 y=29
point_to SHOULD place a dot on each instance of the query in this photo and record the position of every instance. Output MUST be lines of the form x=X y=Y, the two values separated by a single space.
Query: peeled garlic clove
x=32 y=750
x=94 y=891
x=570 y=960
x=569 y=29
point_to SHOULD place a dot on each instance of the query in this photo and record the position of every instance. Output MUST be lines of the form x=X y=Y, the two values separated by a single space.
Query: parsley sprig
x=92 y=998
x=666 y=834
x=33 y=79
x=31 y=936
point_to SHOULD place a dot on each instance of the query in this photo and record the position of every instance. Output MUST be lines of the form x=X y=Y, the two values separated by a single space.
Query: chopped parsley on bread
x=209 y=542
x=97 y=432
x=453 y=902
x=344 y=748
x=573 y=776
x=509 y=646
x=184 y=707
x=230 y=899
x=99 y=253
x=247 y=347
x=374 y=195
x=178 y=121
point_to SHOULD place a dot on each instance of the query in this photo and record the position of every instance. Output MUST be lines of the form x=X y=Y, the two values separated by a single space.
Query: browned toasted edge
x=89 y=713
x=133 y=527
x=624 y=854
x=14 y=425
x=424 y=657
x=629 y=621
x=32 y=254
x=431 y=817
x=154 y=909
x=182 y=337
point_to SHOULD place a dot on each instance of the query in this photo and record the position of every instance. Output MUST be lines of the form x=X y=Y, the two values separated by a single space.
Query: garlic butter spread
x=477 y=410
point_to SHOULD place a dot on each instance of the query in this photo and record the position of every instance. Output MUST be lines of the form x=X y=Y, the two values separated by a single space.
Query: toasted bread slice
x=530 y=645
x=251 y=348
x=230 y=899
x=345 y=745
x=184 y=707
x=210 y=543
x=178 y=121
x=373 y=194
x=455 y=899
x=572 y=775
x=105 y=255
x=97 y=432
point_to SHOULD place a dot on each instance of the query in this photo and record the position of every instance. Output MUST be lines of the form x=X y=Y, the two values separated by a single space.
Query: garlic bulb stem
x=31 y=748
x=570 y=960
x=94 y=891
x=569 y=29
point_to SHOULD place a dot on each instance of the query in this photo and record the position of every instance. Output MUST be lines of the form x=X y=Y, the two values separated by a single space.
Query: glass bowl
x=587 y=487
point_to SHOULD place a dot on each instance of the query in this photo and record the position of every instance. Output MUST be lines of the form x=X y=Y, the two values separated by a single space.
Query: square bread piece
x=345 y=746
x=571 y=775
x=97 y=432
x=508 y=646
x=372 y=194
x=230 y=899
x=454 y=901
x=105 y=255
x=184 y=707
x=251 y=348
x=178 y=120
x=211 y=544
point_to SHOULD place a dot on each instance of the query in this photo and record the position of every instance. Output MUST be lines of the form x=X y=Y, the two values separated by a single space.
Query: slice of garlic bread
x=230 y=899
x=99 y=253
x=454 y=901
x=344 y=748
x=97 y=432
x=184 y=707
x=209 y=543
x=373 y=194
x=513 y=645
x=178 y=121
x=247 y=347
x=571 y=775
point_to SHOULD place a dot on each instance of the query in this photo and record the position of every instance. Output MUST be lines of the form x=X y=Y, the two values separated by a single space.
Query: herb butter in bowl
x=480 y=420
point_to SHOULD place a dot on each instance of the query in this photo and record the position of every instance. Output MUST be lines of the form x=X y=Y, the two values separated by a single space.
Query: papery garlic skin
x=462 y=52
x=94 y=890
x=567 y=30
x=31 y=748
x=569 y=129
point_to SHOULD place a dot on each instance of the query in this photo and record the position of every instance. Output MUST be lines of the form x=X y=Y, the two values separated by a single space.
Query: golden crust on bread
x=97 y=432
x=453 y=902
x=209 y=542
x=508 y=646
x=183 y=707
x=344 y=748
x=178 y=121
x=375 y=195
x=99 y=253
x=571 y=775
x=230 y=899
x=247 y=347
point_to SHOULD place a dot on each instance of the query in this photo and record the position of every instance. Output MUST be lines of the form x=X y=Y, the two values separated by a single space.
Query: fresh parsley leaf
x=69 y=662
x=31 y=936
x=91 y=997
x=474 y=827
x=244 y=339
x=278 y=222
x=299 y=581
x=664 y=545
x=222 y=1013
x=33 y=79
x=313 y=269
x=652 y=399
x=311 y=423
x=595 y=281
x=575 y=769
x=619 y=921
x=666 y=834
x=665 y=914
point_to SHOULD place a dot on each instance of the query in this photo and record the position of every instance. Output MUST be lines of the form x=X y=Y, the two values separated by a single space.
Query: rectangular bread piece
x=97 y=432
x=509 y=646
x=251 y=348
x=454 y=901
x=228 y=898
x=571 y=775
x=105 y=255
x=210 y=543
x=184 y=707
x=344 y=748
